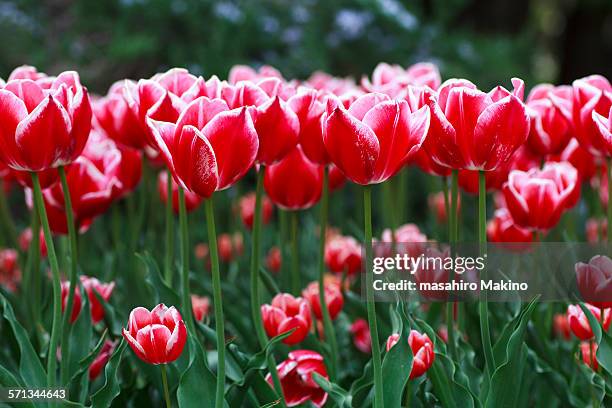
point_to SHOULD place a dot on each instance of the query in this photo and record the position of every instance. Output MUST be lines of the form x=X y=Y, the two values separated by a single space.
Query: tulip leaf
x=197 y=384
x=268 y=281
x=111 y=388
x=361 y=389
x=163 y=293
x=80 y=335
x=8 y=380
x=340 y=396
x=78 y=379
x=396 y=367
x=30 y=367
x=604 y=341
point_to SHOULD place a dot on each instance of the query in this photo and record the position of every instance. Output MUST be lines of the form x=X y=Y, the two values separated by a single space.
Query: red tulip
x=226 y=247
x=10 y=274
x=45 y=123
x=294 y=183
x=579 y=322
x=437 y=204
x=158 y=336
x=433 y=273
x=561 y=326
x=408 y=240
x=361 y=335
x=295 y=375
x=25 y=238
x=333 y=299
x=374 y=138
x=76 y=306
x=247 y=209
x=392 y=79
x=274 y=259
x=200 y=306
x=96 y=367
x=537 y=198
x=336 y=178
x=343 y=255
x=501 y=228
x=422 y=351
x=309 y=111
x=592 y=102
x=550 y=109
x=117 y=119
x=104 y=290
x=474 y=130
x=209 y=147
x=29 y=72
x=201 y=251
x=287 y=313
x=322 y=81
x=245 y=73
x=192 y=200
x=596 y=230
x=588 y=350
x=595 y=281
x=580 y=158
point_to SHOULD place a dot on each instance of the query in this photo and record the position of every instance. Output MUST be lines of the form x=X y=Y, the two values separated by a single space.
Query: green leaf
x=197 y=384
x=340 y=396
x=604 y=341
x=80 y=336
x=78 y=379
x=396 y=367
x=30 y=368
x=268 y=281
x=154 y=279
x=111 y=388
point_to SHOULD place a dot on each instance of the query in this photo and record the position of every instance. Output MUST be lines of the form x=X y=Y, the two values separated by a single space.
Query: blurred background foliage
x=487 y=41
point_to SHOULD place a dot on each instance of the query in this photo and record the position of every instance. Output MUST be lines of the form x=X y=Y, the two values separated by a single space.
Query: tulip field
x=213 y=242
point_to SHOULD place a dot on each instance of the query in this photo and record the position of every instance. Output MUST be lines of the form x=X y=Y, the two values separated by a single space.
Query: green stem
x=452 y=222
x=217 y=301
x=254 y=277
x=187 y=310
x=165 y=383
x=295 y=255
x=609 y=208
x=72 y=236
x=483 y=304
x=33 y=275
x=7 y=220
x=371 y=306
x=169 y=232
x=330 y=334
x=57 y=291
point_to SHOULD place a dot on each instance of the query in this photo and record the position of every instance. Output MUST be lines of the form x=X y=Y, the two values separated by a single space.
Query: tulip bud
x=284 y=314
x=104 y=291
x=96 y=367
x=422 y=351
x=10 y=274
x=333 y=299
x=274 y=259
x=579 y=323
x=157 y=336
x=76 y=305
x=200 y=306
x=361 y=336
x=595 y=281
x=247 y=209
x=588 y=351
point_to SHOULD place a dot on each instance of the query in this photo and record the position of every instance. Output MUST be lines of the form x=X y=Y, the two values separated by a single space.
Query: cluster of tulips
x=76 y=154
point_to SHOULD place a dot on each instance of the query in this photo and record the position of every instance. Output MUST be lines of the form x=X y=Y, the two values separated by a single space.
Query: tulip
x=596 y=230
x=309 y=111
x=595 y=281
x=588 y=351
x=592 y=102
x=10 y=274
x=200 y=306
x=343 y=255
x=46 y=122
x=361 y=335
x=274 y=259
x=157 y=336
x=474 y=130
x=438 y=203
x=322 y=81
x=561 y=326
x=503 y=229
x=76 y=307
x=536 y=199
x=247 y=209
x=96 y=367
x=333 y=299
x=549 y=108
x=408 y=239
x=422 y=351
x=120 y=122
x=25 y=238
x=579 y=157
x=284 y=314
x=207 y=148
x=294 y=183
x=579 y=322
x=296 y=380
x=192 y=200
x=433 y=273
x=336 y=178
x=392 y=79
x=372 y=140
x=245 y=73
x=226 y=247
x=103 y=290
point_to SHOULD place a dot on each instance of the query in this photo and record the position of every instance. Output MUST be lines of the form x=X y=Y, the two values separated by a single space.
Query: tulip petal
x=12 y=111
x=200 y=112
x=195 y=162
x=28 y=91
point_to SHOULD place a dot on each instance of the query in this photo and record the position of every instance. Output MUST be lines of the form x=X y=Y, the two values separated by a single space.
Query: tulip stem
x=169 y=231
x=187 y=309
x=452 y=222
x=165 y=383
x=73 y=277
x=57 y=296
x=609 y=207
x=217 y=301
x=5 y=215
x=33 y=272
x=483 y=304
x=254 y=275
x=330 y=335
x=295 y=255
x=371 y=306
